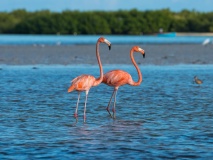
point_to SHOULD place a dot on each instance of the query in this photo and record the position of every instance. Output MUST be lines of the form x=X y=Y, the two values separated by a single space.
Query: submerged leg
x=113 y=109
x=110 y=103
x=85 y=105
x=76 y=110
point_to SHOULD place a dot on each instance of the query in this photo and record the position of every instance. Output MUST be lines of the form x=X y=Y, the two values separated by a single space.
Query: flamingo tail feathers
x=71 y=88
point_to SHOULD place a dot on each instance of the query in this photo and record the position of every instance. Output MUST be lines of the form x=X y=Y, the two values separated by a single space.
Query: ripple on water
x=166 y=117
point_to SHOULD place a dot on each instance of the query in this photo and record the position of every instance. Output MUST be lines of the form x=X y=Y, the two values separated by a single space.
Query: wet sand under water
x=156 y=54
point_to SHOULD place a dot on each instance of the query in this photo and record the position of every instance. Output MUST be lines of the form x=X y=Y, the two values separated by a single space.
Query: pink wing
x=82 y=83
x=117 y=78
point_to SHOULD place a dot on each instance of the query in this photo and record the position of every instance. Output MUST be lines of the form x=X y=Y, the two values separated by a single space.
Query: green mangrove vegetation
x=104 y=22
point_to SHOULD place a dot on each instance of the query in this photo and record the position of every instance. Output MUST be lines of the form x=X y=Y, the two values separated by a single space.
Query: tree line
x=132 y=22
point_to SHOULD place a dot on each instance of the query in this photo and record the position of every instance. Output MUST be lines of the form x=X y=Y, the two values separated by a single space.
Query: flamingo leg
x=85 y=105
x=110 y=103
x=113 y=109
x=76 y=110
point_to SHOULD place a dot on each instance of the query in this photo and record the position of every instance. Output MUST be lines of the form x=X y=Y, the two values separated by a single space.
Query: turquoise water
x=91 y=39
x=166 y=117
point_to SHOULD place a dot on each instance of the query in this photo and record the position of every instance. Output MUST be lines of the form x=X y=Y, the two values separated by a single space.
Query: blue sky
x=106 y=5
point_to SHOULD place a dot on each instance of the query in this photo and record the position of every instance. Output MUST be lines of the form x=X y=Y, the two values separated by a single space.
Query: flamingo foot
x=76 y=117
x=109 y=112
x=84 y=118
x=113 y=110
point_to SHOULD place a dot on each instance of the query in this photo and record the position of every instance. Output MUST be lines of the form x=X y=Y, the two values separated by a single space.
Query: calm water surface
x=166 y=117
x=92 y=39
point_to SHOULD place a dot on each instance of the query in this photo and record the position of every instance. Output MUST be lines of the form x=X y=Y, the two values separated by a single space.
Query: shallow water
x=167 y=116
x=91 y=39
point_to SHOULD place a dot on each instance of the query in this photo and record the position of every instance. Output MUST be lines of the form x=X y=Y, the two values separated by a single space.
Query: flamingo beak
x=109 y=46
x=108 y=42
x=142 y=52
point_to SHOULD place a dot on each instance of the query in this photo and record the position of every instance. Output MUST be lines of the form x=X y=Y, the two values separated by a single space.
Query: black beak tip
x=109 y=47
x=144 y=55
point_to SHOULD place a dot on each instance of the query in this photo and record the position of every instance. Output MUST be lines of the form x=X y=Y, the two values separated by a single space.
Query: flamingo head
x=138 y=49
x=104 y=40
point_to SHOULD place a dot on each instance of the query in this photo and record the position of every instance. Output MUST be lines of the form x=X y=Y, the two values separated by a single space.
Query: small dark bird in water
x=198 y=81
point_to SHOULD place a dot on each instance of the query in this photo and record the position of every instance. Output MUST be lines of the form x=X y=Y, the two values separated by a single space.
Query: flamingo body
x=82 y=83
x=117 y=78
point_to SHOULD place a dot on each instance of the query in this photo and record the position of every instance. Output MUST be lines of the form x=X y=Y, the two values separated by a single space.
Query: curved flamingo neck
x=138 y=70
x=99 y=79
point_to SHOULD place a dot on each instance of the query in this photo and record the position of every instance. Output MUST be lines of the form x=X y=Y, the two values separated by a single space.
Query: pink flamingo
x=85 y=82
x=117 y=78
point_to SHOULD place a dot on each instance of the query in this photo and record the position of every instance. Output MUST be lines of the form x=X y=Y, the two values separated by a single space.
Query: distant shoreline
x=194 y=34
x=177 y=34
